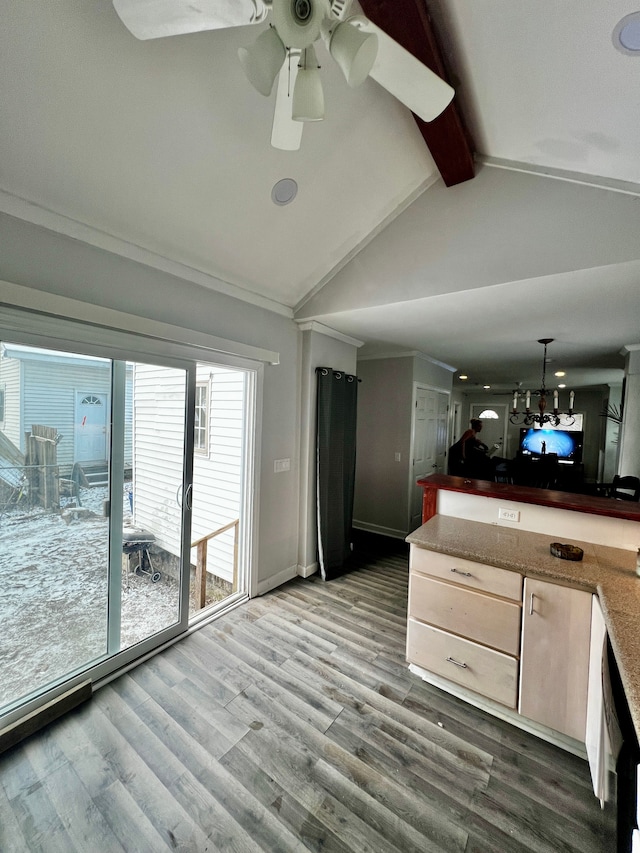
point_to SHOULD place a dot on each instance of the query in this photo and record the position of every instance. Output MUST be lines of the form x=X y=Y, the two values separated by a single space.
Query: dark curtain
x=336 y=467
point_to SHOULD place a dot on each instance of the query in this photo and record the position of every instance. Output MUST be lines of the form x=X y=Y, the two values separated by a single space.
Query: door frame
x=414 y=399
x=67 y=334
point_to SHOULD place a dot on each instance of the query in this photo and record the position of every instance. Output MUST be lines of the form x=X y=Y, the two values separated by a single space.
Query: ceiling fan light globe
x=263 y=60
x=308 y=97
x=355 y=52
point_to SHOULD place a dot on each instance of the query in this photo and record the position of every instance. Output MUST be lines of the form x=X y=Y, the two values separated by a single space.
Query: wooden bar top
x=608 y=507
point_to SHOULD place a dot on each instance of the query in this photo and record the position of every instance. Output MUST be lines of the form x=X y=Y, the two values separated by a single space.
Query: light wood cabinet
x=486 y=619
x=471 y=624
x=478 y=576
x=486 y=671
x=464 y=623
x=554 y=659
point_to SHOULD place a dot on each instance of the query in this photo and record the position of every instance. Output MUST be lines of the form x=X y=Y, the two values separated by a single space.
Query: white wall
x=629 y=460
x=384 y=429
x=39 y=259
x=317 y=350
x=501 y=227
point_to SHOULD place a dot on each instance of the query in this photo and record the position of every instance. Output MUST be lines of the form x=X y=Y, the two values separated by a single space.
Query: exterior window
x=91 y=400
x=489 y=414
x=201 y=423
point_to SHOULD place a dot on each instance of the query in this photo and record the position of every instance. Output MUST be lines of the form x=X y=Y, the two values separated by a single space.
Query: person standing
x=469 y=457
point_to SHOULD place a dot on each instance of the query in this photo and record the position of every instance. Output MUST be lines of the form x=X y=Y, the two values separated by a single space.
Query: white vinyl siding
x=217 y=475
x=40 y=391
x=158 y=450
x=10 y=381
x=50 y=397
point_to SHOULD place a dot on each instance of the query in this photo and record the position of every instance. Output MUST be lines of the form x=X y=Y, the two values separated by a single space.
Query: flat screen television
x=566 y=444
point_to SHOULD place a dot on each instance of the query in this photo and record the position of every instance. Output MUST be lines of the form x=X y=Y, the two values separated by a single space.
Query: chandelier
x=542 y=417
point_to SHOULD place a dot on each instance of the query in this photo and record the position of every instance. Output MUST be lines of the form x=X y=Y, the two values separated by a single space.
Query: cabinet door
x=554 y=665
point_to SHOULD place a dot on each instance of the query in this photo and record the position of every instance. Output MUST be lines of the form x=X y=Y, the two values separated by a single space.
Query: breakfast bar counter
x=608 y=571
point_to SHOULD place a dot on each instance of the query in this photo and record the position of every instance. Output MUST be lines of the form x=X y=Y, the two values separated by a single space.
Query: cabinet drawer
x=467 y=572
x=483 y=670
x=492 y=621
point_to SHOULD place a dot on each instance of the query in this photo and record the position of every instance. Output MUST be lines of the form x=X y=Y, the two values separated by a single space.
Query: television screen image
x=565 y=444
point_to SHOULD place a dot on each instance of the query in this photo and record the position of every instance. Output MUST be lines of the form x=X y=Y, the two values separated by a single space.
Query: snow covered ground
x=53 y=595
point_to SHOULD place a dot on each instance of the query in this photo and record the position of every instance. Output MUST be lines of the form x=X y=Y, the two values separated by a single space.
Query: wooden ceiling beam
x=408 y=23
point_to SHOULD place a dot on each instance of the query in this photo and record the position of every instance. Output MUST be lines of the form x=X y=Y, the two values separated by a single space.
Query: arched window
x=91 y=400
x=489 y=415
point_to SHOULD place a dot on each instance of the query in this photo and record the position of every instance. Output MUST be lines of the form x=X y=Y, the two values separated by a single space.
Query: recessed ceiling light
x=626 y=35
x=562 y=385
x=463 y=376
x=284 y=191
x=559 y=373
x=486 y=386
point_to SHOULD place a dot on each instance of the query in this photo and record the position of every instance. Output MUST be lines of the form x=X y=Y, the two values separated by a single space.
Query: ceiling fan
x=286 y=50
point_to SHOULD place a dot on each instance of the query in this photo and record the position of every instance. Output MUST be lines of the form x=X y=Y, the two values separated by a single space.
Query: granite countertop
x=611 y=572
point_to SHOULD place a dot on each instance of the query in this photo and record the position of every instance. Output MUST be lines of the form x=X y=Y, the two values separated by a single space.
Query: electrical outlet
x=280 y=465
x=509 y=514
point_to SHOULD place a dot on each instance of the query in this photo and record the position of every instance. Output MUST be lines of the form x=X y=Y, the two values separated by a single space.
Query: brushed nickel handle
x=464 y=574
x=531 y=604
x=457 y=663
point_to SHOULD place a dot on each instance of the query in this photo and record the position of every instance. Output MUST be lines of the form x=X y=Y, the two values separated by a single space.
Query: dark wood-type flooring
x=293 y=723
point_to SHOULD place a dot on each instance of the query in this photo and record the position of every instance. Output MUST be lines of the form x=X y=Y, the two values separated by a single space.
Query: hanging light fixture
x=263 y=60
x=308 y=97
x=528 y=418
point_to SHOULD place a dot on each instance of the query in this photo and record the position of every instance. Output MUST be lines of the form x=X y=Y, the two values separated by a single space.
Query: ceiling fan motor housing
x=299 y=22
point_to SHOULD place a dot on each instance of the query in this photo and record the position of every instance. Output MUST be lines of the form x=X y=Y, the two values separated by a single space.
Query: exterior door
x=87 y=588
x=429 y=441
x=91 y=427
x=493 y=429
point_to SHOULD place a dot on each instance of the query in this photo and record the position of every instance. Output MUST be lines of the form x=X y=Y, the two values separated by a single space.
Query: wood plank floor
x=290 y=724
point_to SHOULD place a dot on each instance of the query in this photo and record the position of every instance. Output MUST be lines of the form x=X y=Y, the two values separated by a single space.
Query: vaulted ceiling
x=163 y=147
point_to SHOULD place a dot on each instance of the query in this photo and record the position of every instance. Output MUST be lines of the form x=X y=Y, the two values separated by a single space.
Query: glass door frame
x=71 y=335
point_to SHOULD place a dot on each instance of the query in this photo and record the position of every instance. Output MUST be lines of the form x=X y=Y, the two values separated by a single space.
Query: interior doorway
x=428 y=442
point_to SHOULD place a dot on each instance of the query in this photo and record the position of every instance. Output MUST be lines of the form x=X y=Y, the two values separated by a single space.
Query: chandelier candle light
x=541 y=417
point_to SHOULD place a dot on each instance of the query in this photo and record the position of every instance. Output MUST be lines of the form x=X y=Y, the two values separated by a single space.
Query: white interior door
x=429 y=442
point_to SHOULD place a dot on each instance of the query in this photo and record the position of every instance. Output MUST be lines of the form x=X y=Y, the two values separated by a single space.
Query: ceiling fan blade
x=286 y=133
x=152 y=19
x=405 y=77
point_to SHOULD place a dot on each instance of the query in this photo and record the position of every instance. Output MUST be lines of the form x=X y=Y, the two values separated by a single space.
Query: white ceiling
x=163 y=144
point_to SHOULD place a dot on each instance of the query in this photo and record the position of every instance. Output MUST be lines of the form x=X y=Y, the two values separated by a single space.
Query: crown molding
x=28 y=211
x=408 y=354
x=596 y=181
x=314 y=326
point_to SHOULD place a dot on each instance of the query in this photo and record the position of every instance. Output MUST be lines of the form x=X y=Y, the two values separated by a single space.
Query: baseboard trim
x=31 y=723
x=277 y=580
x=307 y=571
x=378 y=528
x=569 y=744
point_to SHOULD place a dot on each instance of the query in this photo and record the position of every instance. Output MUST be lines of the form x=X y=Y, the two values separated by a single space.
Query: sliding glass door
x=95 y=464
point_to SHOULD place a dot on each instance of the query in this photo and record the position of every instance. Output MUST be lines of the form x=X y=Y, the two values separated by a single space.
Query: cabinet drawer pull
x=464 y=574
x=457 y=663
x=531 y=604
